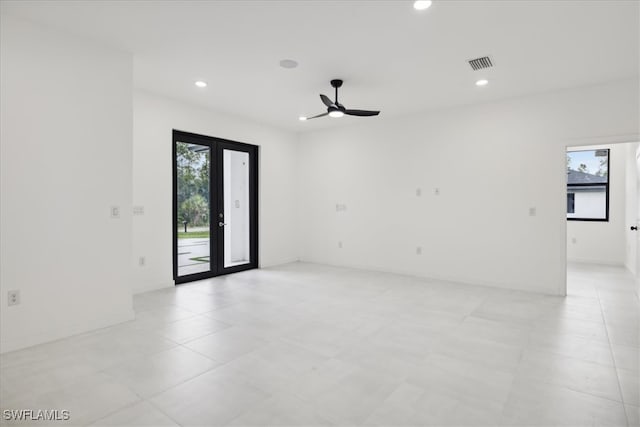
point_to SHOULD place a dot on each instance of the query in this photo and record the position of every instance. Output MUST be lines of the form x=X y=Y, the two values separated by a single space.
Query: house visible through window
x=588 y=185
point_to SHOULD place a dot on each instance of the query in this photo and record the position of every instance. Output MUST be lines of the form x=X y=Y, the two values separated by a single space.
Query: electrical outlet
x=13 y=297
x=115 y=211
x=418 y=192
x=419 y=250
x=142 y=261
x=340 y=244
x=532 y=211
x=138 y=210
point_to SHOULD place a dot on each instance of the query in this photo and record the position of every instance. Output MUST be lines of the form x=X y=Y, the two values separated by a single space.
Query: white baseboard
x=596 y=261
x=149 y=287
x=25 y=341
x=452 y=279
x=275 y=263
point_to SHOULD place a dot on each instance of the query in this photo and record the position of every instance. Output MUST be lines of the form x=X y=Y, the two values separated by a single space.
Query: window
x=588 y=185
x=571 y=202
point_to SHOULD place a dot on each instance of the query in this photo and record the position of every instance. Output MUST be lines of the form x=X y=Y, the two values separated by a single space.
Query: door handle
x=222 y=224
x=634 y=228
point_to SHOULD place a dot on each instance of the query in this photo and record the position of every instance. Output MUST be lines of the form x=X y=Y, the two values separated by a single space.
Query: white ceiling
x=391 y=57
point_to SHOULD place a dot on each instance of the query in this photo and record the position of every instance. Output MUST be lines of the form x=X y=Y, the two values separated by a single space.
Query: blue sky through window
x=588 y=158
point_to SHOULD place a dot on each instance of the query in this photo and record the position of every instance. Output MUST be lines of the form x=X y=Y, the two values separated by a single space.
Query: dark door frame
x=216 y=196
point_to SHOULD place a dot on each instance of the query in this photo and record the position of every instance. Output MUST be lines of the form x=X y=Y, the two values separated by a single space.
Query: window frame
x=606 y=186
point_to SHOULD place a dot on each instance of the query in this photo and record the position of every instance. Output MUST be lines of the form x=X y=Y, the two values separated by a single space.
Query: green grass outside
x=193 y=235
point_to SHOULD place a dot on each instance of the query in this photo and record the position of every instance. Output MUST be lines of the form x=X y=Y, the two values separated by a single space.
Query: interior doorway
x=215 y=202
x=603 y=208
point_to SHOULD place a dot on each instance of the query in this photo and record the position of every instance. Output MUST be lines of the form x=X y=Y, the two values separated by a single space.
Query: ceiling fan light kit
x=336 y=110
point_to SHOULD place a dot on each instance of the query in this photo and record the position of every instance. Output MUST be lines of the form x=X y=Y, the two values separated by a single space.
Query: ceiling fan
x=335 y=109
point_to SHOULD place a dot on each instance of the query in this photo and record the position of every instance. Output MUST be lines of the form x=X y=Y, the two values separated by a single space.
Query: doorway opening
x=602 y=190
x=215 y=206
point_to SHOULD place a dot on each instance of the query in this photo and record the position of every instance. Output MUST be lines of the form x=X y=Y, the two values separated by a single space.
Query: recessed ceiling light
x=302 y=118
x=482 y=82
x=288 y=63
x=200 y=83
x=336 y=113
x=422 y=4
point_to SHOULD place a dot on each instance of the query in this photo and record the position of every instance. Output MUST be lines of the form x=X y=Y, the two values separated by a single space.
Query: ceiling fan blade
x=325 y=99
x=361 y=113
x=319 y=115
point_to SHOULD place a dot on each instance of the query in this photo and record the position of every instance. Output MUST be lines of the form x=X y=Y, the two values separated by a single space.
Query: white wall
x=154 y=119
x=66 y=134
x=66 y=158
x=602 y=242
x=632 y=184
x=491 y=164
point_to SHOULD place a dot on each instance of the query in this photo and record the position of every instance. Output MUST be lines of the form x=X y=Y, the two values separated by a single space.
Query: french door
x=215 y=206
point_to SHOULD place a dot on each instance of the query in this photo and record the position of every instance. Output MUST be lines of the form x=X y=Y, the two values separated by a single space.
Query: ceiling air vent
x=481 y=63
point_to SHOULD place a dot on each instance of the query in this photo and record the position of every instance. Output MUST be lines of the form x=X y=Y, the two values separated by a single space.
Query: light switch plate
x=13 y=297
x=115 y=211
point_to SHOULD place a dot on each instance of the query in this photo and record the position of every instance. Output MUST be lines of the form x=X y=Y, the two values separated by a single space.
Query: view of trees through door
x=193 y=192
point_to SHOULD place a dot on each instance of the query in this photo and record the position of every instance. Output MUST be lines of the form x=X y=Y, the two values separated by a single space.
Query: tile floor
x=307 y=345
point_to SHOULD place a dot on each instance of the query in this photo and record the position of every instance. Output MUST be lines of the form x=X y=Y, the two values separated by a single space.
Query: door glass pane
x=193 y=169
x=236 y=207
